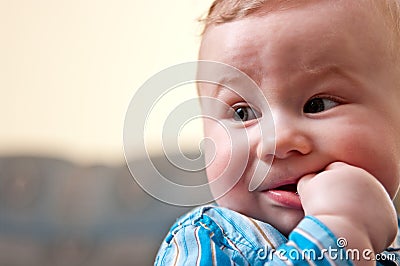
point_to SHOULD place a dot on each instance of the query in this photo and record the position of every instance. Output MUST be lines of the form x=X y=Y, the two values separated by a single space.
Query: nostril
x=266 y=149
x=290 y=144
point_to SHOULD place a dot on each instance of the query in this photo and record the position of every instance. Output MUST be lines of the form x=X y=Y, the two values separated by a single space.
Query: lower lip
x=284 y=198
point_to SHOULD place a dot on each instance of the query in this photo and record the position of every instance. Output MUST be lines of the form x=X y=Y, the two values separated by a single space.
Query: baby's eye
x=317 y=105
x=244 y=113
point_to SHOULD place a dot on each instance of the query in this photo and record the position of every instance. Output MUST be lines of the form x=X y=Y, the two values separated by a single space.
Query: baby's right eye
x=244 y=113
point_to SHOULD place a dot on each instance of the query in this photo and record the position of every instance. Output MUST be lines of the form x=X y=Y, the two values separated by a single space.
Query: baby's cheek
x=217 y=161
x=226 y=155
x=217 y=148
x=367 y=148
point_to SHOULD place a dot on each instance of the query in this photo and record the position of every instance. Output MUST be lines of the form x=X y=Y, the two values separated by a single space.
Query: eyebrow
x=220 y=90
x=332 y=69
x=230 y=83
x=224 y=84
x=220 y=84
x=324 y=70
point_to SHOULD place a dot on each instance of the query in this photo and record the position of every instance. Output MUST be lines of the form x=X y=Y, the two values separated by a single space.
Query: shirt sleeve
x=312 y=243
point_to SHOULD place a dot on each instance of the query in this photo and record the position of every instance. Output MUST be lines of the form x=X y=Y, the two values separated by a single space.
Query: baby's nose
x=290 y=138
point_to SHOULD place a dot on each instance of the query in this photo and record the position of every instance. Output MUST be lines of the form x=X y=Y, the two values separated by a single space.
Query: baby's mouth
x=288 y=187
x=285 y=196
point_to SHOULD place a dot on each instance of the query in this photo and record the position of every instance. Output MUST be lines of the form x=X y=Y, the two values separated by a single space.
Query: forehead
x=307 y=17
x=309 y=37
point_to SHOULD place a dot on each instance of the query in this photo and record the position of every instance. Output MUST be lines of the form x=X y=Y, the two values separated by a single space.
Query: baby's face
x=330 y=85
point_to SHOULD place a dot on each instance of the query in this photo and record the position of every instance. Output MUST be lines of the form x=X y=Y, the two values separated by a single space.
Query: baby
x=329 y=73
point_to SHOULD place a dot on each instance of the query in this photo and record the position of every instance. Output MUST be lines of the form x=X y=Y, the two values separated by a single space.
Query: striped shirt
x=212 y=235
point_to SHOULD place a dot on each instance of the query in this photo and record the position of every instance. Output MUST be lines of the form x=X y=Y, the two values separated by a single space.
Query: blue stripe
x=324 y=235
x=205 y=243
x=305 y=245
x=222 y=258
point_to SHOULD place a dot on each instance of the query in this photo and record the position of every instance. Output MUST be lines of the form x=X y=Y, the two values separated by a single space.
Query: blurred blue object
x=55 y=212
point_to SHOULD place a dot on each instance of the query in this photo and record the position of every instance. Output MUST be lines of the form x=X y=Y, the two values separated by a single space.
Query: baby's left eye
x=319 y=104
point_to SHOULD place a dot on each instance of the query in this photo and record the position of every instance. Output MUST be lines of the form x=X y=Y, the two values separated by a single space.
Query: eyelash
x=308 y=108
x=248 y=112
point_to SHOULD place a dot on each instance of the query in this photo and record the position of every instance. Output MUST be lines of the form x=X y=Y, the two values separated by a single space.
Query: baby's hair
x=222 y=11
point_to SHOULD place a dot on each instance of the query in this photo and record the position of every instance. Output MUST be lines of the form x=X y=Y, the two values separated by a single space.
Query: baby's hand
x=352 y=203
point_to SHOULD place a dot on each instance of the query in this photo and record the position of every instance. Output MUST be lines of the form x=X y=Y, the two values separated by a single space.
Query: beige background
x=68 y=70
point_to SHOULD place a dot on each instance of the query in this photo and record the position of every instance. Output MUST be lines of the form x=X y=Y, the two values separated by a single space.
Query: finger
x=336 y=165
x=302 y=184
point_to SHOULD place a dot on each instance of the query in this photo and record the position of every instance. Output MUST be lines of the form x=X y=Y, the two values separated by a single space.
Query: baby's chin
x=282 y=219
x=284 y=223
x=287 y=226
